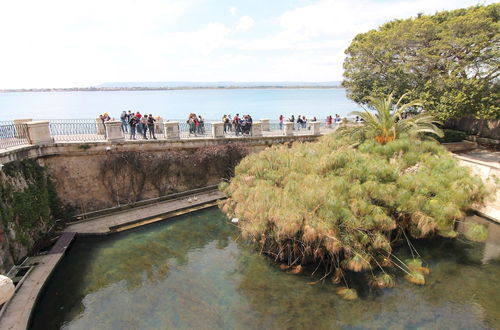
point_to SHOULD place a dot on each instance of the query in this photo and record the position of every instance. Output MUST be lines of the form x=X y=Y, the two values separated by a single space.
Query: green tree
x=387 y=123
x=450 y=60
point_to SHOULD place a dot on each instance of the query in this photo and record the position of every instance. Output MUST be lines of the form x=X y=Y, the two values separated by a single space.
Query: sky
x=73 y=43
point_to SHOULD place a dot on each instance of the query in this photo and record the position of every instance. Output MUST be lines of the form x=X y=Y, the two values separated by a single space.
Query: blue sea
x=177 y=104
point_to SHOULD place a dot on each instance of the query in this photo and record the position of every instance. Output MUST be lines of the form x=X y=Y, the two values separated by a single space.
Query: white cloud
x=245 y=23
x=317 y=24
x=60 y=43
x=205 y=40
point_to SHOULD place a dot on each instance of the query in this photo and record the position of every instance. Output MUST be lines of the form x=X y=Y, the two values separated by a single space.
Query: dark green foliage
x=451 y=135
x=28 y=201
x=449 y=60
x=343 y=207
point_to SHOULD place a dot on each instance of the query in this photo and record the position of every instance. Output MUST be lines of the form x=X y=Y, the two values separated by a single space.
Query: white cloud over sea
x=56 y=43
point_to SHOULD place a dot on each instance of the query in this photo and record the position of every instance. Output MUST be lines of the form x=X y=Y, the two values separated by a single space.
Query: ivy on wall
x=28 y=204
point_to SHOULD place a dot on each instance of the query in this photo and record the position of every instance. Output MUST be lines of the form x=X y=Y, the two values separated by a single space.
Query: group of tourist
x=138 y=123
x=133 y=123
x=196 y=124
x=301 y=121
x=240 y=125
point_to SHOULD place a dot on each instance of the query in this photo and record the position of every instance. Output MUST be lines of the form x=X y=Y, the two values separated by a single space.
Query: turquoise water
x=176 y=104
x=195 y=272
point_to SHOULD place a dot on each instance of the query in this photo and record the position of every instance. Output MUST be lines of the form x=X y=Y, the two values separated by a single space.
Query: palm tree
x=388 y=124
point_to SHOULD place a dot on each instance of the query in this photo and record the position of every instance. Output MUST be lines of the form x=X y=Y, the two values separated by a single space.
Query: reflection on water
x=492 y=244
x=195 y=273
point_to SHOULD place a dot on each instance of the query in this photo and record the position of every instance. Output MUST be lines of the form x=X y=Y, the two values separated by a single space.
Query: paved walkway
x=486 y=164
x=109 y=223
x=18 y=309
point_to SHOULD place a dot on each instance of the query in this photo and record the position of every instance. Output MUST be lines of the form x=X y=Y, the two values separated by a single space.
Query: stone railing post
x=217 y=130
x=100 y=126
x=114 y=130
x=287 y=128
x=257 y=128
x=39 y=132
x=171 y=129
x=265 y=125
x=315 y=125
x=21 y=131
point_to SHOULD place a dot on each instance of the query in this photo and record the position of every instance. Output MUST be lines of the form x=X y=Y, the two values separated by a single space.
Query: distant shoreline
x=119 y=89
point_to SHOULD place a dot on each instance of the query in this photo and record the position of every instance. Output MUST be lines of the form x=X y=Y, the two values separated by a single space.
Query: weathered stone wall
x=39 y=184
x=27 y=205
x=89 y=182
x=486 y=128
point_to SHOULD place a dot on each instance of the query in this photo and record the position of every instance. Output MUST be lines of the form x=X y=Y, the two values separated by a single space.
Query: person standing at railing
x=192 y=123
x=281 y=119
x=230 y=121
x=139 y=126
x=237 y=124
x=201 y=123
x=104 y=118
x=151 y=127
x=133 y=124
x=299 y=122
x=144 y=126
x=124 y=119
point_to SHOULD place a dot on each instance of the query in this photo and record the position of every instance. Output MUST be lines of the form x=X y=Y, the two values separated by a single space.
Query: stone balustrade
x=171 y=130
x=39 y=133
x=114 y=131
x=265 y=125
x=217 y=130
x=287 y=128
x=21 y=132
x=45 y=132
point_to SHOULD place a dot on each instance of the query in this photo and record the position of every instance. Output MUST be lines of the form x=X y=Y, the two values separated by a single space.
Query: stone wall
x=485 y=128
x=39 y=184
x=89 y=182
x=28 y=206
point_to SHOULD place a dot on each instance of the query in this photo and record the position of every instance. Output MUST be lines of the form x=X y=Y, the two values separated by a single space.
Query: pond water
x=195 y=272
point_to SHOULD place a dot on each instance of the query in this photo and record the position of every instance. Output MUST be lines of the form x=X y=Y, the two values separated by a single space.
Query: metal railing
x=76 y=130
x=202 y=130
x=13 y=135
x=87 y=130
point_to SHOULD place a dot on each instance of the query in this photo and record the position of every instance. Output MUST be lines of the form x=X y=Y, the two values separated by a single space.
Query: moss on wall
x=28 y=203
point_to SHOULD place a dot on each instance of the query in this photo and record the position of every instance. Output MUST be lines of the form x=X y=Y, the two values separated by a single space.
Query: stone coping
x=100 y=147
x=109 y=223
x=139 y=204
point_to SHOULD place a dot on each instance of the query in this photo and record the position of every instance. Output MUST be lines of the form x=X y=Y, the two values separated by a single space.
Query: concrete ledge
x=19 y=308
x=129 y=218
x=484 y=141
x=460 y=146
x=140 y=204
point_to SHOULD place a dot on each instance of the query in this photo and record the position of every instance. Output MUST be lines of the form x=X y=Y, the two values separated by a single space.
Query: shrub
x=329 y=203
x=451 y=135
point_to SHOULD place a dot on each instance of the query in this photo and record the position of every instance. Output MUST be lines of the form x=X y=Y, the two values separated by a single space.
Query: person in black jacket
x=133 y=124
x=151 y=127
